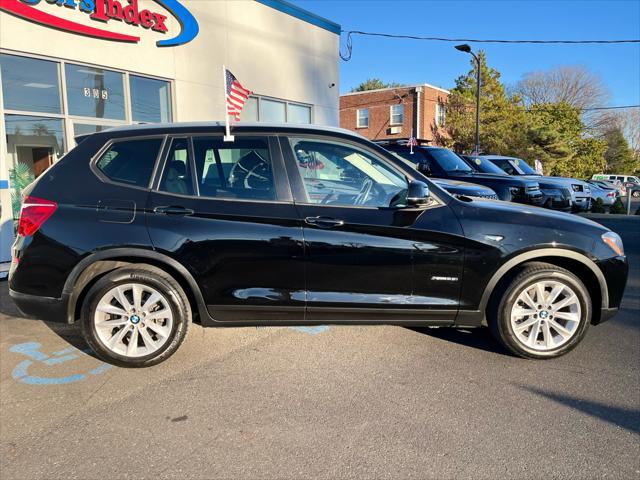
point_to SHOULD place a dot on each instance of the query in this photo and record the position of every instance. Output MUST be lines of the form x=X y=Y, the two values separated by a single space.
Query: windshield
x=483 y=165
x=514 y=166
x=449 y=161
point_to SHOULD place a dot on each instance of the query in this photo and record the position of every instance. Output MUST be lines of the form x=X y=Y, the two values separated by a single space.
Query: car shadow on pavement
x=479 y=338
x=627 y=418
x=69 y=333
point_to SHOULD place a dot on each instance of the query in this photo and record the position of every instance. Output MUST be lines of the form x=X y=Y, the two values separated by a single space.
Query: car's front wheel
x=544 y=312
x=135 y=316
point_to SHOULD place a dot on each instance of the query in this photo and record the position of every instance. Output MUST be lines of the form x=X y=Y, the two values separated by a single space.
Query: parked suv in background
x=580 y=191
x=439 y=162
x=141 y=229
x=555 y=194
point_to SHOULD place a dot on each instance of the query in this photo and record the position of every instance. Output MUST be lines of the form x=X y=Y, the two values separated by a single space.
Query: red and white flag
x=236 y=95
x=413 y=142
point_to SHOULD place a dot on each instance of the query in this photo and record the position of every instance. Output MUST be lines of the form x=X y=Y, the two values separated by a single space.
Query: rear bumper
x=43 y=308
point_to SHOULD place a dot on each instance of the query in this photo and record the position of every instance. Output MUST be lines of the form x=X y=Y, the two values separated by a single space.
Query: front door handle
x=324 y=222
x=174 y=210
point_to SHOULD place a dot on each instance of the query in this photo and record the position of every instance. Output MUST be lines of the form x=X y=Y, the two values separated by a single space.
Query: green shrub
x=618 y=207
x=597 y=206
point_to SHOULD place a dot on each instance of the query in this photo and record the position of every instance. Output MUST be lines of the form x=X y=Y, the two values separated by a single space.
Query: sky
x=439 y=64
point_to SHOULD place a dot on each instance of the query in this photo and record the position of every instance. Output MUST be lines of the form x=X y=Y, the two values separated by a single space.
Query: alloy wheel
x=546 y=315
x=133 y=320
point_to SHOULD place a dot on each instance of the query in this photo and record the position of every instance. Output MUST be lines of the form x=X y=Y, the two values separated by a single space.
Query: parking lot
x=329 y=401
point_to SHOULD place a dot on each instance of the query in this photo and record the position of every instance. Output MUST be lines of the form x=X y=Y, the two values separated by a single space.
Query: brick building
x=394 y=113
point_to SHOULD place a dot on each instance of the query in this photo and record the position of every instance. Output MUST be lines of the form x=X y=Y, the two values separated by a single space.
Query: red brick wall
x=379 y=104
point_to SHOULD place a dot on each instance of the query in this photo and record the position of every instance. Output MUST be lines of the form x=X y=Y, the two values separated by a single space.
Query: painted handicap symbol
x=32 y=350
x=312 y=330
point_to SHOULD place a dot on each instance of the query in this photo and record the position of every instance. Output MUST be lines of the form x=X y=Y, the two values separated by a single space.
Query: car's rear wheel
x=544 y=312
x=135 y=316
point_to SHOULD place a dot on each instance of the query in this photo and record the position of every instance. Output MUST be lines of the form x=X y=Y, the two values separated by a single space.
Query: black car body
x=285 y=225
x=555 y=194
x=437 y=162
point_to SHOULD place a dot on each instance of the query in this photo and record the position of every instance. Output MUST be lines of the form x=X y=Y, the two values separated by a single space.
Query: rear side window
x=130 y=161
x=241 y=169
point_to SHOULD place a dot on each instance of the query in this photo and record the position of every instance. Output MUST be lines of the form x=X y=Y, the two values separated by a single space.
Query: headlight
x=515 y=191
x=576 y=188
x=614 y=241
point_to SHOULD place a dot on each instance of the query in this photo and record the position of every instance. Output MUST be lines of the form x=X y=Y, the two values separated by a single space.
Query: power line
x=349 y=40
x=611 y=108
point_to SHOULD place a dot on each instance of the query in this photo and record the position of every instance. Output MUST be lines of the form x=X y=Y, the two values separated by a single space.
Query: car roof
x=497 y=157
x=307 y=128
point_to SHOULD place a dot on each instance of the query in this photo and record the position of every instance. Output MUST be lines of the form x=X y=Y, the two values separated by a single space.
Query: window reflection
x=30 y=85
x=150 y=100
x=94 y=92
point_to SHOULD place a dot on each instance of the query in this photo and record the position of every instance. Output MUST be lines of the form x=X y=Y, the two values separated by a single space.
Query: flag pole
x=228 y=137
x=411 y=142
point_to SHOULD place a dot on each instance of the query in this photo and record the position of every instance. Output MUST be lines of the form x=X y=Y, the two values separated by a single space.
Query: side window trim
x=98 y=155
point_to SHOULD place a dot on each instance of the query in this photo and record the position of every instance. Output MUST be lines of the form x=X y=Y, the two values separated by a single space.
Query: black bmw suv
x=440 y=162
x=141 y=230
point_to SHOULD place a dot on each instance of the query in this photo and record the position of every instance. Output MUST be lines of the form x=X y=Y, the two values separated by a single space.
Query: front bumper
x=581 y=204
x=555 y=201
x=42 y=308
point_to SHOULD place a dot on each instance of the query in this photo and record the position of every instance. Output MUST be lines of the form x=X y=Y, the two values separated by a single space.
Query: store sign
x=104 y=11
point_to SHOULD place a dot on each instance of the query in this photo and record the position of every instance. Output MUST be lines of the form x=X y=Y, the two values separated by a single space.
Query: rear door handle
x=174 y=210
x=324 y=222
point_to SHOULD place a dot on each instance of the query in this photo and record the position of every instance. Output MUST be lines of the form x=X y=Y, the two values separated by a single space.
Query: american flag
x=413 y=142
x=236 y=95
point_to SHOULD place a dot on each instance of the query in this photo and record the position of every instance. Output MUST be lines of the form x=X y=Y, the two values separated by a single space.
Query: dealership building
x=72 y=67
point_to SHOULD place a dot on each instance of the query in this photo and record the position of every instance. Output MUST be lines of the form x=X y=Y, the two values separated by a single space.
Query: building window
x=298 y=113
x=30 y=85
x=262 y=109
x=150 y=99
x=397 y=115
x=362 y=115
x=94 y=92
x=250 y=111
x=272 y=111
x=441 y=113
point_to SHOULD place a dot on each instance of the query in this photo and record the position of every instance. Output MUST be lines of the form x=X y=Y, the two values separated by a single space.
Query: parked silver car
x=607 y=195
x=580 y=190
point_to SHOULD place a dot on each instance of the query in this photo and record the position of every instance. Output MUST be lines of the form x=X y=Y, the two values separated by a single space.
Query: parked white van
x=624 y=179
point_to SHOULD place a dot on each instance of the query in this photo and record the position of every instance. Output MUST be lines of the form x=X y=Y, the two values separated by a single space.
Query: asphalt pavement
x=324 y=402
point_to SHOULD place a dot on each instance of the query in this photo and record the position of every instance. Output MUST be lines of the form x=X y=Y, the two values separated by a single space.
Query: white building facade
x=71 y=67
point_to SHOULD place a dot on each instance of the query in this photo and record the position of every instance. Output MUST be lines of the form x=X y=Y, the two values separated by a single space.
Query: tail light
x=35 y=211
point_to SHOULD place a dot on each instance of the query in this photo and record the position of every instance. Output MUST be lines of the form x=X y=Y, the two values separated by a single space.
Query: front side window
x=30 y=85
x=363 y=118
x=94 y=92
x=240 y=170
x=150 y=99
x=397 y=115
x=343 y=175
x=130 y=161
x=177 y=171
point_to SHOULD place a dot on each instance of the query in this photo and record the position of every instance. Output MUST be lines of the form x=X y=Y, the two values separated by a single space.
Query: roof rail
x=400 y=141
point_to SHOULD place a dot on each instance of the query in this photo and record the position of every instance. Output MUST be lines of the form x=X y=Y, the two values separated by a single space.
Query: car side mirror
x=417 y=193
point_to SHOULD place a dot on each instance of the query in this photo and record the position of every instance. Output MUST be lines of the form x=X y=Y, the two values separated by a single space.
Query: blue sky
x=408 y=61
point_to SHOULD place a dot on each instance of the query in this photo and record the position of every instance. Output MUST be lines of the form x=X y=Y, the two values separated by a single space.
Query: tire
x=554 y=336
x=159 y=327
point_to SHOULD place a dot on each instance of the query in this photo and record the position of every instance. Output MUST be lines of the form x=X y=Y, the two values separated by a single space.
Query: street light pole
x=467 y=49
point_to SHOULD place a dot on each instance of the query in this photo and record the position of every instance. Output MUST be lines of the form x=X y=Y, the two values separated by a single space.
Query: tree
x=574 y=85
x=618 y=156
x=374 y=84
x=555 y=137
x=502 y=117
